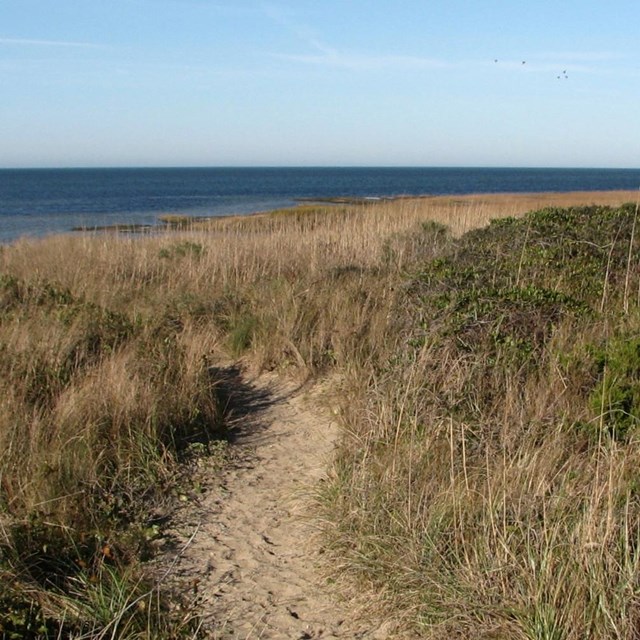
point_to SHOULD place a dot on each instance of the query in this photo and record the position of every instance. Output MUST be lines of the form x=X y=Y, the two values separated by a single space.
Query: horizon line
x=313 y=166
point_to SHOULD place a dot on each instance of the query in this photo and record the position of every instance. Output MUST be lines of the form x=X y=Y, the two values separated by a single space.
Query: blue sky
x=319 y=82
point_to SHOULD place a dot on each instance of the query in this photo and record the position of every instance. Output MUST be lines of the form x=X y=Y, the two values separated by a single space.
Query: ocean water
x=38 y=202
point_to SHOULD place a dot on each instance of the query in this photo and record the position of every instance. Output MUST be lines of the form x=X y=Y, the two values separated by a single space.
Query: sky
x=507 y=83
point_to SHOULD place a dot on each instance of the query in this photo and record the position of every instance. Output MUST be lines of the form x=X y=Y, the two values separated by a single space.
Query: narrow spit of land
x=248 y=546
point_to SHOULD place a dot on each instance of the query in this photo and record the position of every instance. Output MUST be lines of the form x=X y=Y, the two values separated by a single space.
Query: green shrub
x=616 y=398
x=181 y=250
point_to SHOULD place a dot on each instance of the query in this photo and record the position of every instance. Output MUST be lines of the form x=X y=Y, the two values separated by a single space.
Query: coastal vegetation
x=488 y=352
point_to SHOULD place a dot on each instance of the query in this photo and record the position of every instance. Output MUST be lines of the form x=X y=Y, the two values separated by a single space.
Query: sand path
x=251 y=554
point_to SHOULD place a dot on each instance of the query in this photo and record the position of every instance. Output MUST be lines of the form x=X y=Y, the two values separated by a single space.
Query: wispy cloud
x=364 y=62
x=321 y=54
x=563 y=62
x=580 y=56
x=301 y=32
x=327 y=55
x=27 y=42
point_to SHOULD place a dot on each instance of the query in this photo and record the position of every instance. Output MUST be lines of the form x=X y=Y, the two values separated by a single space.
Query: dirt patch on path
x=250 y=551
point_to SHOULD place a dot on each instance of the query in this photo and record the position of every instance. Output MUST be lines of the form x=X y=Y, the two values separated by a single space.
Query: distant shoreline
x=533 y=200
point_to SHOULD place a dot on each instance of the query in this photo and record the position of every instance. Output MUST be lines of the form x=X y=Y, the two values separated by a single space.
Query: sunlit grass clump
x=97 y=408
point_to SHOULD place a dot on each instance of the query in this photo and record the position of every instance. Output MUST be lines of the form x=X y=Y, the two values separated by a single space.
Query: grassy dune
x=486 y=485
x=489 y=481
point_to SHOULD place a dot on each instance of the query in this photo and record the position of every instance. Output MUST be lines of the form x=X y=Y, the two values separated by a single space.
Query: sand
x=250 y=549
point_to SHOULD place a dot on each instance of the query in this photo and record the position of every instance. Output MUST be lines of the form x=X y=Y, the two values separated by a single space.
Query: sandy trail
x=252 y=556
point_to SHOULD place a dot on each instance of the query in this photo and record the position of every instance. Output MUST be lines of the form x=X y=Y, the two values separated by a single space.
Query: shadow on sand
x=245 y=403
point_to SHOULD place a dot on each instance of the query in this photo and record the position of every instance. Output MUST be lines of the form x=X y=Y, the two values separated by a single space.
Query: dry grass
x=486 y=484
x=106 y=347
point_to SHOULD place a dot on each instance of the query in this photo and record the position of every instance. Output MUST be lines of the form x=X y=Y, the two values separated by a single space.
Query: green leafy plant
x=616 y=398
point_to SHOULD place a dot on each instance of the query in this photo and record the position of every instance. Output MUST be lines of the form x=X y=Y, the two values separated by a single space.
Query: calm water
x=42 y=201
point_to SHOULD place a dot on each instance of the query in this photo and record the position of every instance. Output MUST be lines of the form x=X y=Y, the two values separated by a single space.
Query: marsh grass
x=108 y=344
x=487 y=480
